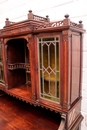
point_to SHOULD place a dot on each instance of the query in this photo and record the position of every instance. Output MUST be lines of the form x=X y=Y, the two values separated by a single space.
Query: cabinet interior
x=19 y=76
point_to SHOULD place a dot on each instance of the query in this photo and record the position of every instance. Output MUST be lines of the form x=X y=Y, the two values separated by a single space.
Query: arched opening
x=18 y=67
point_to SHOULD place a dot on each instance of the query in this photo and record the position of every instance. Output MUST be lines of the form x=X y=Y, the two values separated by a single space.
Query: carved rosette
x=66 y=32
x=65 y=40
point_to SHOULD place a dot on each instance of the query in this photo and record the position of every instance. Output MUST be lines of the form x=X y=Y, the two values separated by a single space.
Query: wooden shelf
x=23 y=91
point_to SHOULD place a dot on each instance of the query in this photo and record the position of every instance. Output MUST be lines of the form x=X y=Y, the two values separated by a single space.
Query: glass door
x=49 y=68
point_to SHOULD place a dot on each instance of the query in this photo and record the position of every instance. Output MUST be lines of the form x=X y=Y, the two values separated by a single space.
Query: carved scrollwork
x=65 y=40
x=16 y=31
x=63 y=121
x=66 y=32
x=30 y=41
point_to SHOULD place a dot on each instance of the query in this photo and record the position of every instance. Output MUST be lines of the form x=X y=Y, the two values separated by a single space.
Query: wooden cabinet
x=40 y=63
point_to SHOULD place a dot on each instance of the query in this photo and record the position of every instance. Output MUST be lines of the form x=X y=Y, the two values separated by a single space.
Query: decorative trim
x=19 y=65
x=58 y=24
x=67 y=32
x=30 y=41
x=38 y=18
x=63 y=121
x=50 y=25
x=15 y=31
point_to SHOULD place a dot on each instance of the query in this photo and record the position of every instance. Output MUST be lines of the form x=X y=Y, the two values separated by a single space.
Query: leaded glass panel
x=49 y=68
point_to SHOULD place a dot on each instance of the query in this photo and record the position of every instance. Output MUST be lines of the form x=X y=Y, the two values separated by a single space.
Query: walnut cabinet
x=40 y=63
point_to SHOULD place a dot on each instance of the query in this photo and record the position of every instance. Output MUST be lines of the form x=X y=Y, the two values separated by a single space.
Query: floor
x=18 y=115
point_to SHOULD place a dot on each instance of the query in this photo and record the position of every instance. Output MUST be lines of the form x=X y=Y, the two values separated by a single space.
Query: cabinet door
x=49 y=70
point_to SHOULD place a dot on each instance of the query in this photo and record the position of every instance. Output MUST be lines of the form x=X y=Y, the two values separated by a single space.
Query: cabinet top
x=35 y=24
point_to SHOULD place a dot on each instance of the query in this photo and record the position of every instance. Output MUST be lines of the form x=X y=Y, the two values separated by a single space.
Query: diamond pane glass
x=49 y=68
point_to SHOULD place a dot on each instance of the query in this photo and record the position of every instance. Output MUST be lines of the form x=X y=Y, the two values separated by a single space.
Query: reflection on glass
x=49 y=68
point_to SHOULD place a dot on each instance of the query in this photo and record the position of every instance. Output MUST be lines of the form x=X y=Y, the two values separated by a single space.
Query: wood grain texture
x=18 y=115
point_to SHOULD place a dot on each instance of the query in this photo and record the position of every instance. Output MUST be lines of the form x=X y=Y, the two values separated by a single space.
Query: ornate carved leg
x=63 y=121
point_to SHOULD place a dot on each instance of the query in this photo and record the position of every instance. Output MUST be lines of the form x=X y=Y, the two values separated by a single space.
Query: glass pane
x=46 y=87
x=49 y=68
x=41 y=84
x=48 y=39
x=52 y=55
x=45 y=56
x=57 y=56
x=46 y=83
x=40 y=56
x=52 y=88
x=57 y=89
x=57 y=76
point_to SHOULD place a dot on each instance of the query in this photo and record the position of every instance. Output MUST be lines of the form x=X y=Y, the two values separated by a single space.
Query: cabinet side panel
x=74 y=116
x=75 y=67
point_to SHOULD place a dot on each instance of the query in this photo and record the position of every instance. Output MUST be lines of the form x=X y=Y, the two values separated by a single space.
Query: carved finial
x=7 y=22
x=66 y=21
x=80 y=22
x=30 y=11
x=30 y=15
x=7 y=19
x=66 y=16
x=47 y=17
